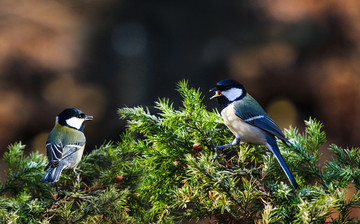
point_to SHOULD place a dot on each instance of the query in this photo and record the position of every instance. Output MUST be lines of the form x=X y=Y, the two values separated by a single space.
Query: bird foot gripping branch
x=216 y=149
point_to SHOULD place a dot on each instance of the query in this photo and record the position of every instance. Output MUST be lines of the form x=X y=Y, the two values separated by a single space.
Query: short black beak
x=88 y=118
x=213 y=89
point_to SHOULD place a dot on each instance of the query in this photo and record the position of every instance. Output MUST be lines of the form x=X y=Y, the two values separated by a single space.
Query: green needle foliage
x=162 y=171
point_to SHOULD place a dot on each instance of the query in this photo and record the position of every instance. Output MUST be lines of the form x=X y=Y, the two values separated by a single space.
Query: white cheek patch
x=232 y=94
x=75 y=122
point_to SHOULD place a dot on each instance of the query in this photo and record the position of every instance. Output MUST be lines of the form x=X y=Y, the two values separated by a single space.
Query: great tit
x=248 y=121
x=65 y=144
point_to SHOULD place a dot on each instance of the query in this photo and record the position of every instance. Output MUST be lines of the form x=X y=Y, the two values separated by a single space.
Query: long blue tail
x=53 y=174
x=273 y=147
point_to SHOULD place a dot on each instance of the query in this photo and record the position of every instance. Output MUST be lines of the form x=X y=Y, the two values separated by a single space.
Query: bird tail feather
x=273 y=147
x=53 y=174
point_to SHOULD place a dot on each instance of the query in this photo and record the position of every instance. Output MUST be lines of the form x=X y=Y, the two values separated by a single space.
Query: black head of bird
x=227 y=91
x=73 y=118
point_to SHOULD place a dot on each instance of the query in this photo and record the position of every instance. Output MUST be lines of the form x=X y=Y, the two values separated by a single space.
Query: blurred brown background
x=297 y=58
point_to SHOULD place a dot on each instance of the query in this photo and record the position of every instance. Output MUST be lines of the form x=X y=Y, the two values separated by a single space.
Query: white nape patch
x=57 y=120
x=232 y=94
x=75 y=122
x=254 y=118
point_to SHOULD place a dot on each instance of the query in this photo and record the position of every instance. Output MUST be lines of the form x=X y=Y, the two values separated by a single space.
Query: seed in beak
x=217 y=94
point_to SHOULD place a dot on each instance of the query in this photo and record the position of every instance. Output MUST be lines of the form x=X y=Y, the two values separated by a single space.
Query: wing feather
x=58 y=152
x=252 y=113
x=54 y=151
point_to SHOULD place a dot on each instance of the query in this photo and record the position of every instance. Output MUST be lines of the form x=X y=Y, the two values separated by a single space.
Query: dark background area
x=297 y=58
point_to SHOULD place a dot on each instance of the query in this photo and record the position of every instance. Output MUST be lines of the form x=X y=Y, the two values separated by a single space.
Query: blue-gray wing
x=54 y=151
x=57 y=152
x=70 y=149
x=54 y=154
x=262 y=121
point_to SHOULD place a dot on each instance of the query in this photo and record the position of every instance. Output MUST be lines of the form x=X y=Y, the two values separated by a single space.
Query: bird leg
x=234 y=142
x=77 y=176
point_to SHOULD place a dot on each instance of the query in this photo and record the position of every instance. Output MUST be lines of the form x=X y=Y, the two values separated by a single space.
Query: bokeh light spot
x=283 y=112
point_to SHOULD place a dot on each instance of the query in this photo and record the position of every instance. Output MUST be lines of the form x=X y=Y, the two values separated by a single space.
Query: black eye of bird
x=82 y=115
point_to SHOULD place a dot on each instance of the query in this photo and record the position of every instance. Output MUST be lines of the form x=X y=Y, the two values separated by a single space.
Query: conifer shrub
x=162 y=171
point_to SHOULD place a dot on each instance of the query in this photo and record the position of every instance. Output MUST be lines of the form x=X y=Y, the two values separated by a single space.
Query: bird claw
x=212 y=142
x=215 y=156
x=77 y=177
x=216 y=149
